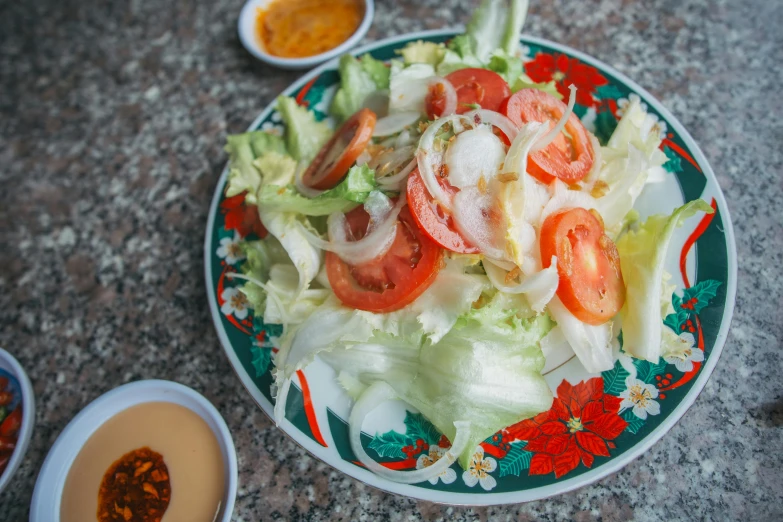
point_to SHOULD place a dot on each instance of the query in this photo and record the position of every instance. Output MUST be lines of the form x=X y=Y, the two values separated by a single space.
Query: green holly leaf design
x=420 y=428
x=516 y=460
x=703 y=292
x=390 y=444
x=674 y=163
x=634 y=422
x=680 y=316
x=260 y=358
x=614 y=379
x=646 y=371
x=673 y=322
x=605 y=124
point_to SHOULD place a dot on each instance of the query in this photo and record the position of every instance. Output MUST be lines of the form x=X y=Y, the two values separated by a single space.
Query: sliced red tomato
x=570 y=156
x=336 y=157
x=433 y=219
x=591 y=283
x=474 y=87
x=393 y=280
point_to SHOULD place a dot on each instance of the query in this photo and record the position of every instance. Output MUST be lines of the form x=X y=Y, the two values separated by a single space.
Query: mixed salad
x=459 y=232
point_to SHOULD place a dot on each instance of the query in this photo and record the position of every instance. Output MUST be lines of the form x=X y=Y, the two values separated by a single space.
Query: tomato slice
x=591 y=283
x=570 y=156
x=436 y=222
x=391 y=281
x=340 y=152
x=474 y=86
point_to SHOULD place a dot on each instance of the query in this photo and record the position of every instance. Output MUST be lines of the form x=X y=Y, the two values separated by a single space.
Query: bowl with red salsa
x=17 y=415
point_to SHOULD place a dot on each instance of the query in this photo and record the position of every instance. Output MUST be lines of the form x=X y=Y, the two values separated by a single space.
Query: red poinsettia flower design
x=579 y=426
x=566 y=71
x=242 y=217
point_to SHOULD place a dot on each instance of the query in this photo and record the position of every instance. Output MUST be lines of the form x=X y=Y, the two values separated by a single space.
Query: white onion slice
x=390 y=160
x=539 y=288
x=394 y=180
x=550 y=136
x=375 y=244
x=427 y=154
x=377 y=102
x=301 y=187
x=378 y=393
x=474 y=154
x=563 y=198
x=556 y=350
x=471 y=209
x=394 y=123
x=450 y=94
x=496 y=119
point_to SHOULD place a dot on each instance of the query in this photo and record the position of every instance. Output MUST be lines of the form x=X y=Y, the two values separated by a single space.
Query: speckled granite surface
x=112 y=120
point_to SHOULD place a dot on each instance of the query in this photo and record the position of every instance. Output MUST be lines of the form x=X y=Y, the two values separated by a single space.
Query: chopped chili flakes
x=135 y=488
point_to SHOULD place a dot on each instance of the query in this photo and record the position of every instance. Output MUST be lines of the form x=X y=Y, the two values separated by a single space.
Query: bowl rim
x=28 y=418
x=250 y=43
x=47 y=495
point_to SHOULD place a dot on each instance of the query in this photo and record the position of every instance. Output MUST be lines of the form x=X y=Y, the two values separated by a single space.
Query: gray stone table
x=113 y=116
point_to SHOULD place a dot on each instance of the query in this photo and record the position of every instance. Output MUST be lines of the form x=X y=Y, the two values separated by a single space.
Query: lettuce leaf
x=275 y=168
x=304 y=136
x=423 y=52
x=286 y=227
x=485 y=369
x=357 y=81
x=642 y=256
x=354 y=189
x=491 y=40
x=378 y=71
x=524 y=81
x=243 y=149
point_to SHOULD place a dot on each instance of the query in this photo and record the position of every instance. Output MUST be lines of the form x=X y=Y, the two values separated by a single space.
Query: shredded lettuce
x=304 y=136
x=286 y=227
x=642 y=256
x=491 y=40
x=423 y=52
x=378 y=70
x=353 y=190
x=524 y=81
x=358 y=79
x=275 y=168
x=243 y=149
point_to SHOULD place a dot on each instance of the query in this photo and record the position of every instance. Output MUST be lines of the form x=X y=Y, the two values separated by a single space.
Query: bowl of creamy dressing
x=149 y=451
x=299 y=34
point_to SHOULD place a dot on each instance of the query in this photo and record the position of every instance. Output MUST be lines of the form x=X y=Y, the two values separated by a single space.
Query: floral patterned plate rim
x=598 y=423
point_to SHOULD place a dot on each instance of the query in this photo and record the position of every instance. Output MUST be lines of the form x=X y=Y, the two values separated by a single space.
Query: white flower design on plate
x=683 y=354
x=435 y=454
x=479 y=470
x=276 y=117
x=640 y=396
x=272 y=128
x=235 y=303
x=230 y=250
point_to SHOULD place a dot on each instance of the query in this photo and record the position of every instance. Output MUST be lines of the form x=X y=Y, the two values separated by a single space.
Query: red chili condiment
x=136 y=488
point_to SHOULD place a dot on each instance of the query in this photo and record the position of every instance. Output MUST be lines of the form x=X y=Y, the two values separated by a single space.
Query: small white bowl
x=12 y=366
x=249 y=37
x=45 y=506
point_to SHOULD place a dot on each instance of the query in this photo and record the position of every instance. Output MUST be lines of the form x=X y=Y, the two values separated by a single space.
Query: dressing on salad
x=458 y=231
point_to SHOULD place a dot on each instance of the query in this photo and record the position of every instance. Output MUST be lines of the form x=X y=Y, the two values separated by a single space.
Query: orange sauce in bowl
x=301 y=28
